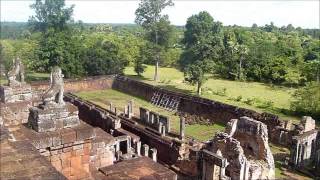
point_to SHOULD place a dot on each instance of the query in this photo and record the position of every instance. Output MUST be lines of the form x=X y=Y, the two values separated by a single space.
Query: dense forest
x=284 y=55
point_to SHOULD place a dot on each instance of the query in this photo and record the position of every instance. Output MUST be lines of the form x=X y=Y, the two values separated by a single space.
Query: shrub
x=249 y=101
x=266 y=104
x=221 y=92
x=307 y=100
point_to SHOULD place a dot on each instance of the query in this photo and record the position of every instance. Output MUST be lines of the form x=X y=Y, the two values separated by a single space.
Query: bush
x=266 y=104
x=307 y=100
x=249 y=101
x=221 y=92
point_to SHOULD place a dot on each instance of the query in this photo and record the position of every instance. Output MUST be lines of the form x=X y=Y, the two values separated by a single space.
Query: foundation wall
x=76 y=85
x=100 y=117
x=193 y=106
x=204 y=108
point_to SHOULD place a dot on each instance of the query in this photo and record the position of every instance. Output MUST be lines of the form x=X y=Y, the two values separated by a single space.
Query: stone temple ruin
x=244 y=151
x=47 y=132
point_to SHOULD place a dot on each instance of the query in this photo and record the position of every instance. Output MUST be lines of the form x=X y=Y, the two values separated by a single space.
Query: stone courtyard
x=48 y=132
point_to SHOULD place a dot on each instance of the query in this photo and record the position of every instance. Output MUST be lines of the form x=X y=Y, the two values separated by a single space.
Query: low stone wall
x=76 y=85
x=100 y=117
x=206 y=110
x=214 y=111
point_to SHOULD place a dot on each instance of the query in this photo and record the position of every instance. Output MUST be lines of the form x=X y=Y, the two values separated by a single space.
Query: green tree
x=203 y=42
x=60 y=44
x=157 y=26
x=50 y=14
x=307 y=100
x=105 y=56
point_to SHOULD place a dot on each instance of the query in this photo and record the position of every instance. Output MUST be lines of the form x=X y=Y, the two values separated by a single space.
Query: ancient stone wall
x=76 y=85
x=205 y=108
x=100 y=117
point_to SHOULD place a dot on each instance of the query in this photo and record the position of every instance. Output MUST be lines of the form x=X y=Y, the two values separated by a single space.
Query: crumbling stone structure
x=154 y=120
x=17 y=89
x=242 y=152
x=53 y=114
x=306 y=145
x=54 y=143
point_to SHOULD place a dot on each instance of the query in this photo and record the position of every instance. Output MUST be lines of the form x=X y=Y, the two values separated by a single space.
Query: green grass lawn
x=119 y=100
x=251 y=95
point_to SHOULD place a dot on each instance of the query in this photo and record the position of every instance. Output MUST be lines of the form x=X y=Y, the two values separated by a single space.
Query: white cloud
x=298 y=13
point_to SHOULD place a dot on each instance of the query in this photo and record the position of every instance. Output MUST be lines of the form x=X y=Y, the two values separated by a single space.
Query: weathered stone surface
x=52 y=119
x=15 y=113
x=246 y=148
x=308 y=123
x=139 y=168
x=9 y=94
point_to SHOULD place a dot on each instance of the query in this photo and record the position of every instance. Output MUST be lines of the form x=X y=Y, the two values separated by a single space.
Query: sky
x=303 y=14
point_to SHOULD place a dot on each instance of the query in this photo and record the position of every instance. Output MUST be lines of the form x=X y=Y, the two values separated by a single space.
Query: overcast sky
x=298 y=13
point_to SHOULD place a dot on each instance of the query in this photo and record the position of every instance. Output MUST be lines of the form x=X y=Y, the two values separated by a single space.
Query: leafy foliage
x=307 y=100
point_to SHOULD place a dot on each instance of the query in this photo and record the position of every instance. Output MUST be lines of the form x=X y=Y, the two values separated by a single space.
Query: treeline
x=267 y=54
x=204 y=47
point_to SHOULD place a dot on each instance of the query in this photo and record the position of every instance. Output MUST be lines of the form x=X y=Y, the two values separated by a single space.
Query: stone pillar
x=130 y=109
x=182 y=127
x=116 y=123
x=118 y=154
x=317 y=159
x=163 y=130
x=115 y=111
x=110 y=106
x=117 y=146
x=204 y=170
x=159 y=127
x=138 y=148
x=128 y=145
x=145 y=150
x=223 y=169
x=154 y=154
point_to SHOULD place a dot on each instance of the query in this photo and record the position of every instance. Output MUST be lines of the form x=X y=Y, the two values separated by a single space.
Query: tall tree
x=203 y=42
x=59 y=44
x=157 y=26
x=50 y=14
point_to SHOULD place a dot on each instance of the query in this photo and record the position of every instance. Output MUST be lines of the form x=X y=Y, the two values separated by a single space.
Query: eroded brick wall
x=76 y=85
x=96 y=116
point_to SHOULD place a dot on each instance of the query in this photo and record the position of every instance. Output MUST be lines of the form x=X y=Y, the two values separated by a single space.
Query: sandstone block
x=10 y=94
x=44 y=119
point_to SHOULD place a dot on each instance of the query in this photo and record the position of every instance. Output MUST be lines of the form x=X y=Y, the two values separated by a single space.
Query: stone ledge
x=10 y=94
x=52 y=119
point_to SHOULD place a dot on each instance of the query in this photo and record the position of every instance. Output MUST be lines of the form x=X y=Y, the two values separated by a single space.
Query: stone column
x=138 y=148
x=128 y=145
x=119 y=154
x=145 y=150
x=117 y=146
x=182 y=127
x=154 y=154
x=110 y=106
x=159 y=127
x=317 y=159
x=204 y=170
x=223 y=169
x=163 y=130
x=130 y=109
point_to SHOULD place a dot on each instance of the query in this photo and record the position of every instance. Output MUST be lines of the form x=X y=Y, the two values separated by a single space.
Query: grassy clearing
x=119 y=100
x=252 y=95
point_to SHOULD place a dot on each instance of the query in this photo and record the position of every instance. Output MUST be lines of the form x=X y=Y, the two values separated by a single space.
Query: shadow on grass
x=174 y=88
x=136 y=77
